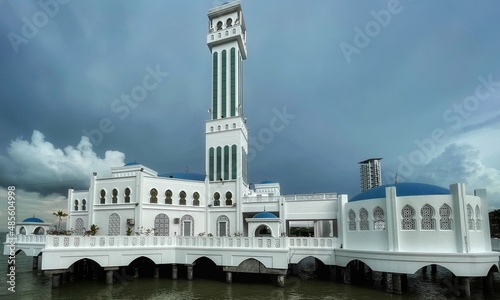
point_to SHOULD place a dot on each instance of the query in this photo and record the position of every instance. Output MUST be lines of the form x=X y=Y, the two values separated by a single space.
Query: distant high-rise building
x=370 y=173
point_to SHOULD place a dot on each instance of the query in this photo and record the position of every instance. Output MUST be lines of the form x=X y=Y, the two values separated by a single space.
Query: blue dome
x=402 y=189
x=33 y=220
x=266 y=181
x=185 y=175
x=134 y=163
x=264 y=215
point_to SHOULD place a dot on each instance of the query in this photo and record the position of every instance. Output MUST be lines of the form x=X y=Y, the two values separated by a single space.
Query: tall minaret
x=226 y=131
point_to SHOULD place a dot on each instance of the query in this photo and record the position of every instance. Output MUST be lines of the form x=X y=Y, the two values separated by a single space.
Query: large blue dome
x=33 y=220
x=402 y=189
x=264 y=215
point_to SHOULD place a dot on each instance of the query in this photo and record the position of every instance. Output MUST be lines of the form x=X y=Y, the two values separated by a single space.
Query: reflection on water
x=422 y=285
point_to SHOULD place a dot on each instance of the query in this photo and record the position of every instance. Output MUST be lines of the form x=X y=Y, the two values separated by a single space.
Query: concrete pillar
x=157 y=272
x=488 y=283
x=229 y=277
x=346 y=274
x=56 y=280
x=190 y=272
x=109 y=276
x=465 y=286
x=35 y=262
x=396 y=283
x=174 y=271
x=280 y=280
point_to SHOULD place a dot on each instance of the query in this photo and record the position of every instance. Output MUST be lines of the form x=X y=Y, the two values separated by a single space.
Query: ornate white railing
x=331 y=196
x=28 y=239
x=307 y=242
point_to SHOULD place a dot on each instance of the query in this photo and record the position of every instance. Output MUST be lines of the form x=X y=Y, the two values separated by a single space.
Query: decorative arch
x=196 y=199
x=378 y=218
x=114 y=198
x=39 y=231
x=182 y=196
x=478 y=218
x=229 y=198
x=363 y=219
x=216 y=199
x=187 y=225
x=84 y=204
x=22 y=230
x=79 y=227
x=76 y=205
x=408 y=214
x=428 y=222
x=153 y=193
x=263 y=230
x=103 y=196
x=222 y=226
x=351 y=215
x=127 y=195
x=168 y=197
x=114 y=224
x=445 y=221
x=470 y=217
x=162 y=223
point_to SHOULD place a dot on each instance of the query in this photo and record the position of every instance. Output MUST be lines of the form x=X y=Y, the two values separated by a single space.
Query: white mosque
x=179 y=218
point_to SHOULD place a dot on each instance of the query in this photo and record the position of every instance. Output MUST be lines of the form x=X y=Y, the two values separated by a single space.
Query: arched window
x=445 y=221
x=215 y=83
x=216 y=199
x=168 y=197
x=211 y=163
x=76 y=204
x=79 y=227
x=363 y=219
x=103 y=196
x=219 y=25
x=182 y=195
x=352 y=220
x=22 y=230
x=196 y=199
x=114 y=224
x=39 y=231
x=428 y=222
x=153 y=193
x=408 y=214
x=229 y=22
x=161 y=224
x=229 y=198
x=219 y=163
x=378 y=218
x=187 y=225
x=470 y=217
x=226 y=162
x=114 y=199
x=84 y=204
x=127 y=195
x=478 y=218
x=233 y=161
x=222 y=225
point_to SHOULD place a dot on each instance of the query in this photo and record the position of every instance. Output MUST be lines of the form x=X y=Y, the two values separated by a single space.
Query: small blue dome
x=134 y=163
x=264 y=215
x=33 y=220
x=266 y=181
x=185 y=175
x=402 y=189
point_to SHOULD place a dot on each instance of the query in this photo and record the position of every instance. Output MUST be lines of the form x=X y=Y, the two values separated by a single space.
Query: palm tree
x=60 y=214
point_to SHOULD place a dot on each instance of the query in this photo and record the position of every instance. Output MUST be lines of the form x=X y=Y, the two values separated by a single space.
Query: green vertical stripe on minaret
x=215 y=84
x=226 y=162
x=211 y=164
x=219 y=163
x=233 y=161
x=233 y=83
x=224 y=72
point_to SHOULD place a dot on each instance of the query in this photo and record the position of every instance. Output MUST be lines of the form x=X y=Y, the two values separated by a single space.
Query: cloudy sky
x=414 y=82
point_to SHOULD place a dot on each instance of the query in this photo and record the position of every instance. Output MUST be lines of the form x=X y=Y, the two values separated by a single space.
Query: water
x=34 y=285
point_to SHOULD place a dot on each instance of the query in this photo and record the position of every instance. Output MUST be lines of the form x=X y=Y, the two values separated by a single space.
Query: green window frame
x=223 y=87
x=233 y=82
x=226 y=162
x=214 y=85
x=211 y=164
x=219 y=163
x=233 y=161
